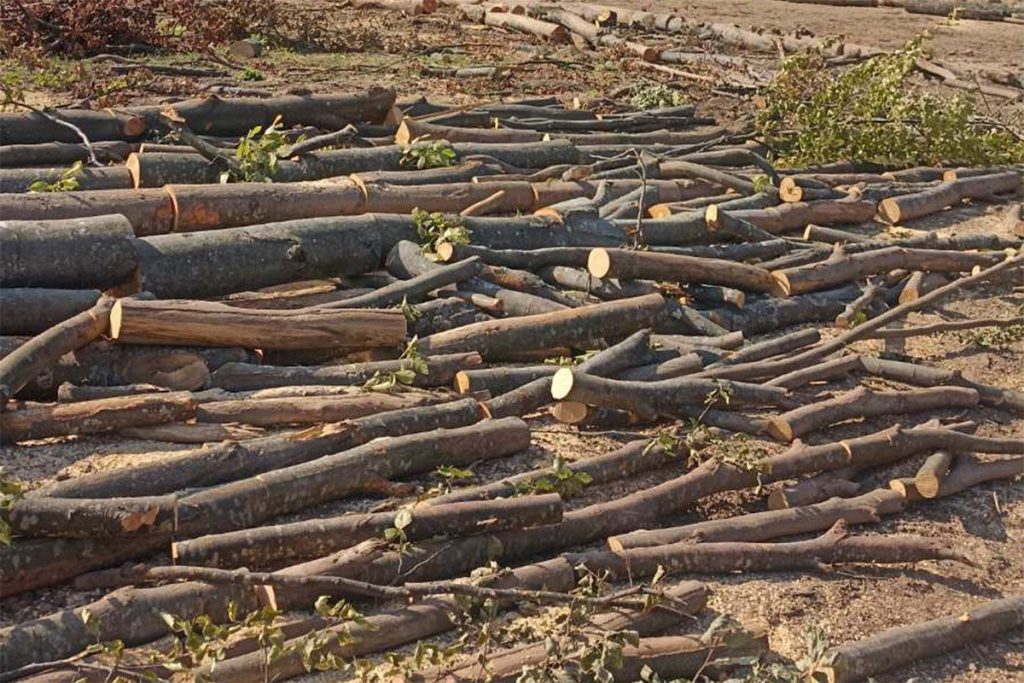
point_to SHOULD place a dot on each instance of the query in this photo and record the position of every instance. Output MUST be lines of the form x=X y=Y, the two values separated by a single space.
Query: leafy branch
x=411 y=364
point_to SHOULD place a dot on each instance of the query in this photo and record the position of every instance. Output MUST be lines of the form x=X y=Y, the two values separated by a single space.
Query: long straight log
x=771 y=314
x=149 y=212
x=15 y=180
x=213 y=324
x=864 y=402
x=622 y=263
x=862 y=659
x=34 y=310
x=23 y=128
x=94 y=417
x=845 y=268
x=269 y=412
x=212 y=465
x=925 y=376
x=85 y=252
x=25 y=363
x=575 y=326
x=764 y=526
x=414 y=289
x=274 y=545
x=63 y=153
x=908 y=207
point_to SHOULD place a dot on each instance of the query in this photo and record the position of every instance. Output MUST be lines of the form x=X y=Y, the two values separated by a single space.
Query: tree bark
x=275 y=545
x=17 y=180
x=206 y=323
x=842 y=268
x=81 y=253
x=837 y=367
x=63 y=153
x=500 y=380
x=764 y=526
x=924 y=376
x=441 y=370
x=269 y=412
x=148 y=212
x=908 y=207
x=574 y=326
x=25 y=363
x=523 y=259
x=35 y=310
x=192 y=433
x=622 y=263
x=26 y=128
x=224 y=462
x=94 y=417
x=895 y=647
x=928 y=480
x=815 y=489
x=863 y=402
x=967 y=472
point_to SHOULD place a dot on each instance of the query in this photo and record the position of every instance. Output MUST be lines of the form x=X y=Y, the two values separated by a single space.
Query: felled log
x=413 y=289
x=63 y=153
x=267 y=412
x=650 y=399
x=622 y=263
x=582 y=281
x=25 y=363
x=444 y=314
x=767 y=315
x=555 y=33
x=191 y=433
x=964 y=10
x=72 y=253
x=441 y=369
x=837 y=367
x=856 y=308
x=768 y=348
x=69 y=393
x=14 y=180
x=843 y=268
x=236 y=116
x=224 y=462
x=925 y=376
x=24 y=128
x=149 y=212
x=220 y=262
x=864 y=402
x=34 y=310
x=968 y=472
x=676 y=367
x=568 y=327
x=500 y=380
x=677 y=168
x=412 y=7
x=763 y=526
x=815 y=489
x=945 y=326
x=633 y=350
x=212 y=324
x=622 y=463
x=895 y=647
x=908 y=207
x=928 y=479
x=274 y=545
x=94 y=417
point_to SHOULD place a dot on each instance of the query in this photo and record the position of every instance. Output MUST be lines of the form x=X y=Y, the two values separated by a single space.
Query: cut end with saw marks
x=561 y=384
x=599 y=262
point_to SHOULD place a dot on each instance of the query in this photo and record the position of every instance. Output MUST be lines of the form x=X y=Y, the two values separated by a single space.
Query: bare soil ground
x=986 y=522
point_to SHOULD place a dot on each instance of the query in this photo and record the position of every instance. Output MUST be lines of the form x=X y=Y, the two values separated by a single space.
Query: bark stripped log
x=25 y=363
x=205 y=323
x=273 y=545
x=85 y=252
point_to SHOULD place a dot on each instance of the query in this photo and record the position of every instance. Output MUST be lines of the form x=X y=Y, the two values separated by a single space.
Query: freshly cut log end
x=462 y=383
x=599 y=262
x=570 y=412
x=790 y=190
x=781 y=287
x=445 y=251
x=779 y=428
x=889 y=211
x=660 y=211
x=561 y=384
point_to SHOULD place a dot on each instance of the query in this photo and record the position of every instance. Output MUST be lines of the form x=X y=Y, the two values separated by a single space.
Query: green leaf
x=403 y=518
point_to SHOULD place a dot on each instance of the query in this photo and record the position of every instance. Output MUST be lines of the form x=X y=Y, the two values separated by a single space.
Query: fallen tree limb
x=908 y=207
x=899 y=646
x=622 y=263
x=922 y=375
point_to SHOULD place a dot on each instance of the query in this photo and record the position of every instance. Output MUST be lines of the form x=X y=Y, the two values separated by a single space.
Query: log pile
x=325 y=337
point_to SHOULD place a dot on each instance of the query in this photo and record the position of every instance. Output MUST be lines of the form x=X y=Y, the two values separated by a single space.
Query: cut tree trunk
x=764 y=526
x=95 y=417
x=26 y=128
x=268 y=412
x=205 y=323
x=34 y=310
x=928 y=480
x=274 y=545
x=863 y=659
x=908 y=207
x=35 y=356
x=149 y=212
x=622 y=263
x=209 y=466
x=574 y=326
x=84 y=252
x=14 y=180
x=864 y=402
x=815 y=489
x=650 y=399
x=219 y=262
x=500 y=380
x=967 y=472
x=924 y=376
x=441 y=370
x=842 y=268
x=63 y=153
x=770 y=314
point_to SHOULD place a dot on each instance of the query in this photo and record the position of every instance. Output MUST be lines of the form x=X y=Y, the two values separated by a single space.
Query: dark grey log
x=30 y=311
x=14 y=180
x=73 y=253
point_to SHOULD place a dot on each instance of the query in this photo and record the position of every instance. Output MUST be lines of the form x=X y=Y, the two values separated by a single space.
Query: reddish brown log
x=908 y=207
x=928 y=480
x=149 y=212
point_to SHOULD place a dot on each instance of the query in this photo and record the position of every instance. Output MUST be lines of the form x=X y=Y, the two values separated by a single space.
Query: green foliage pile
x=434 y=228
x=873 y=113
